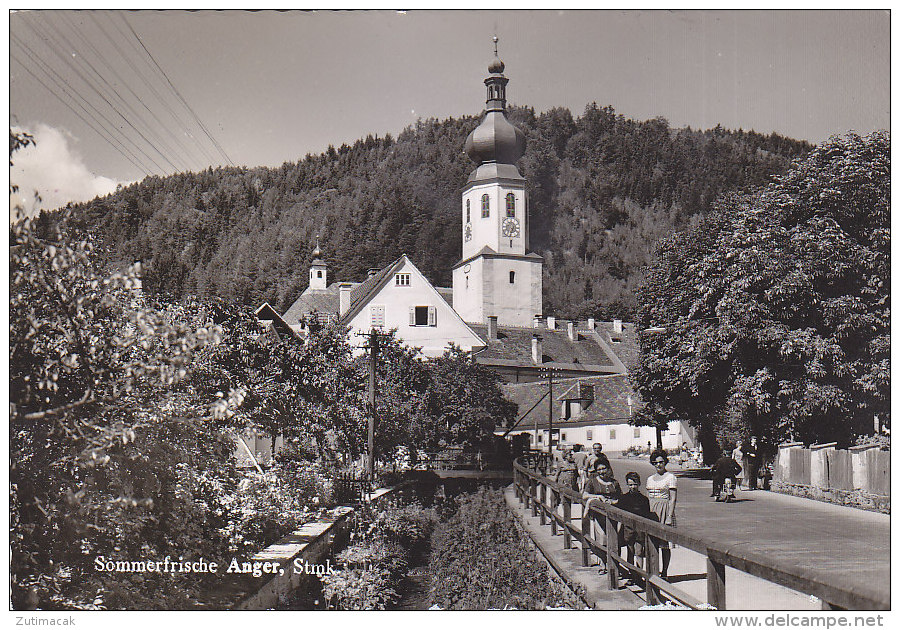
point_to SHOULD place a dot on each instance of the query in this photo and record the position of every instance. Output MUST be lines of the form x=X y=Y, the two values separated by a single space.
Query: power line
x=58 y=50
x=178 y=151
x=177 y=93
x=78 y=73
x=209 y=159
x=72 y=93
x=74 y=111
x=136 y=116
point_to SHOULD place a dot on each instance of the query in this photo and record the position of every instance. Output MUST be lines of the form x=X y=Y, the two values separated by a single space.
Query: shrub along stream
x=463 y=553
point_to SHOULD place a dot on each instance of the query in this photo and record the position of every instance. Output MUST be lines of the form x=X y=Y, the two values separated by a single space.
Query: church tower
x=496 y=275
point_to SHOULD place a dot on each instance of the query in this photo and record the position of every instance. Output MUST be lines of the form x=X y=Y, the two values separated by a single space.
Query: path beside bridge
x=843 y=546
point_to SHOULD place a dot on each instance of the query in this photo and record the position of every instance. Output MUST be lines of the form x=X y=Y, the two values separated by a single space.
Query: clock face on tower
x=510 y=227
x=468 y=231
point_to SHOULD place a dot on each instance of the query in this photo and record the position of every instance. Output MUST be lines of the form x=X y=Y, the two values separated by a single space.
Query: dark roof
x=626 y=344
x=272 y=320
x=446 y=293
x=361 y=292
x=610 y=405
x=327 y=301
x=514 y=344
x=487 y=252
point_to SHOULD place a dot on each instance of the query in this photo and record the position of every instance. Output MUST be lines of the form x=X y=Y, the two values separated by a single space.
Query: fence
x=821 y=466
x=541 y=494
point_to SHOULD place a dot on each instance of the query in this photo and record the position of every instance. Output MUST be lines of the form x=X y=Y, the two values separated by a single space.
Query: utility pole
x=373 y=363
x=549 y=372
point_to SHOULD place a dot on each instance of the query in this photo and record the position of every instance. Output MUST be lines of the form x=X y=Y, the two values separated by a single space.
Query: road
x=846 y=546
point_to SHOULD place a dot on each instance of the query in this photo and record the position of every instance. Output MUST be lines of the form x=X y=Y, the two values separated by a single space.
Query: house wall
x=397 y=300
x=616 y=438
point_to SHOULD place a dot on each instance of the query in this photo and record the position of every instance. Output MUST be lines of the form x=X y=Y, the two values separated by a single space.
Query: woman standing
x=662 y=490
x=738 y=456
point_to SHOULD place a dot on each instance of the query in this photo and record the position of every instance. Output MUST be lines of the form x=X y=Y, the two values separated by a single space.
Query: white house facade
x=400 y=298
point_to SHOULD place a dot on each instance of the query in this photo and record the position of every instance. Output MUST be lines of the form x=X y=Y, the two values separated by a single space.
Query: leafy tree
x=776 y=308
x=465 y=401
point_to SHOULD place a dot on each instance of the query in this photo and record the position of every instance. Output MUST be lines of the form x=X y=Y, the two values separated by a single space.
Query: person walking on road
x=751 y=463
x=662 y=490
x=724 y=474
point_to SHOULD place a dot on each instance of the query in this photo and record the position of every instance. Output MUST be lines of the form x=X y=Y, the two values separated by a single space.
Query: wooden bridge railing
x=542 y=495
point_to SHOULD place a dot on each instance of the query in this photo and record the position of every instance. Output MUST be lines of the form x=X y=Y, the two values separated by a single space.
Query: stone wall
x=859 y=476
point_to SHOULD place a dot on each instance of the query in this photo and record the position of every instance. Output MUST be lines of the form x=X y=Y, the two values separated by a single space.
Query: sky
x=270 y=87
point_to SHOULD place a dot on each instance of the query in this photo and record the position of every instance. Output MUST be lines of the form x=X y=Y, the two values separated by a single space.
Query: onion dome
x=317 y=253
x=495 y=139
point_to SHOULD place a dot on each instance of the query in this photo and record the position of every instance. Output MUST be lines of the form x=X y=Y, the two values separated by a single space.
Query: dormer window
x=401 y=280
x=485 y=206
x=511 y=205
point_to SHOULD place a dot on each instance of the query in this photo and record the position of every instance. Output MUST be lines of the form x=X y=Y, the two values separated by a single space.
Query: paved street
x=847 y=546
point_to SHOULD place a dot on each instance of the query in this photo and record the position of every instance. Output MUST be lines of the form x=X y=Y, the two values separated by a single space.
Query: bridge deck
x=843 y=546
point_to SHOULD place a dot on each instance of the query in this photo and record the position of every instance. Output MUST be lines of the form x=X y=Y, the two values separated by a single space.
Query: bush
x=410 y=526
x=481 y=560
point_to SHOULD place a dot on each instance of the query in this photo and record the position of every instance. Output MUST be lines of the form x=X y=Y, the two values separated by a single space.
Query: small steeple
x=495 y=139
x=496 y=82
x=318 y=271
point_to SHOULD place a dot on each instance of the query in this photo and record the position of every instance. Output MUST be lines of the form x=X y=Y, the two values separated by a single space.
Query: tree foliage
x=776 y=307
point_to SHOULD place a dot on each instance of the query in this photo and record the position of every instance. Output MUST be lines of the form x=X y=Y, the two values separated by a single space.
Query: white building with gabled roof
x=399 y=297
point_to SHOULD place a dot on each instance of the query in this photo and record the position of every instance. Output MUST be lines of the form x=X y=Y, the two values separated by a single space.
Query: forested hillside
x=602 y=189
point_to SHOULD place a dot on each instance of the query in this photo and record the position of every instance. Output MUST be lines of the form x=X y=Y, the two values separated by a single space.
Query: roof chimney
x=591 y=324
x=537 y=349
x=551 y=322
x=344 y=288
x=617 y=326
x=570 y=328
x=538 y=321
x=492 y=327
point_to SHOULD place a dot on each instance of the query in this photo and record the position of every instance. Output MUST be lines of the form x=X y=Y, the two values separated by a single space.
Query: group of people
x=592 y=475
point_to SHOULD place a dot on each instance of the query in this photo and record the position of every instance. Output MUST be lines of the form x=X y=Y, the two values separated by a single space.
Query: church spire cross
x=496 y=39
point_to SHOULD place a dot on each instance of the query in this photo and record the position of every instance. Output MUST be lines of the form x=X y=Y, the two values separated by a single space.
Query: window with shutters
x=401 y=280
x=590 y=435
x=637 y=433
x=377 y=313
x=485 y=206
x=612 y=434
x=510 y=205
x=422 y=316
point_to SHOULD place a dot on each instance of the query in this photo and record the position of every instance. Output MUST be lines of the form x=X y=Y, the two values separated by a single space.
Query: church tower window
x=485 y=206
x=468 y=210
x=510 y=205
x=512 y=277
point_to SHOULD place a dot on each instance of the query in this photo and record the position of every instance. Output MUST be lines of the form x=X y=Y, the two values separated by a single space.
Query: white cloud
x=52 y=169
